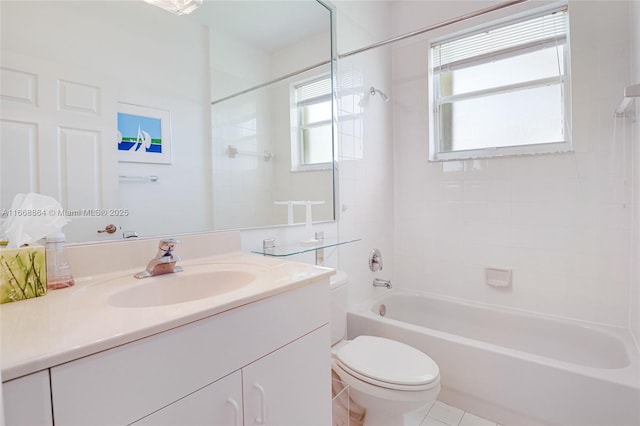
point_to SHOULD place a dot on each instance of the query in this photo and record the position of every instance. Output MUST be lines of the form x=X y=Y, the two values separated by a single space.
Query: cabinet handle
x=236 y=409
x=263 y=407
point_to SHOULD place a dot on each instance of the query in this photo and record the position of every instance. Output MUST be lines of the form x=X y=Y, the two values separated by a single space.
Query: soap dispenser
x=58 y=270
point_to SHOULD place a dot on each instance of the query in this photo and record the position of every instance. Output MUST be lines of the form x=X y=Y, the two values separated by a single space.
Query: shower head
x=373 y=91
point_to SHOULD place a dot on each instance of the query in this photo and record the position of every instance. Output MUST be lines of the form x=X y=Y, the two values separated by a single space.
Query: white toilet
x=387 y=378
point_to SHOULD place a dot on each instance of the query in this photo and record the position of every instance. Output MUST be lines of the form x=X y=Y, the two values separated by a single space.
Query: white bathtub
x=513 y=367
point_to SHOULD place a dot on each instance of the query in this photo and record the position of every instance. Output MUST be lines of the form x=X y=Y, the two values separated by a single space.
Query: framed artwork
x=144 y=134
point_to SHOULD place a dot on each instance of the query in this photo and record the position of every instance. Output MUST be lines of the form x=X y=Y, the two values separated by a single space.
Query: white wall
x=235 y=65
x=561 y=222
x=634 y=17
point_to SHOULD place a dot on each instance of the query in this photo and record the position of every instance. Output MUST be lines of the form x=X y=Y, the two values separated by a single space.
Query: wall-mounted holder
x=268 y=245
x=630 y=93
x=233 y=152
x=136 y=178
x=308 y=221
x=270 y=248
x=497 y=277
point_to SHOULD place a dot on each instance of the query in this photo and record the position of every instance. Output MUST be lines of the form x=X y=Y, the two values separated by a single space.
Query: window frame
x=297 y=128
x=435 y=100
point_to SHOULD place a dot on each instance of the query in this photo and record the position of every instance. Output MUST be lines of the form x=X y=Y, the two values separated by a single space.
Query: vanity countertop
x=78 y=321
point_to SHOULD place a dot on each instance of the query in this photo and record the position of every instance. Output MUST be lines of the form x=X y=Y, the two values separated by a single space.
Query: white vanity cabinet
x=276 y=350
x=290 y=385
x=27 y=400
x=219 y=403
x=279 y=389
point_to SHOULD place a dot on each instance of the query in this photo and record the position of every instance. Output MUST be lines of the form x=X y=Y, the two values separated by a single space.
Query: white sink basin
x=179 y=287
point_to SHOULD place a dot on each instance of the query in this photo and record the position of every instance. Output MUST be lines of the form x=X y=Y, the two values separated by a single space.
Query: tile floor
x=441 y=414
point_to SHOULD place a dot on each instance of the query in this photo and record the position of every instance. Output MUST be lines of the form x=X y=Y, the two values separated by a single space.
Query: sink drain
x=382 y=310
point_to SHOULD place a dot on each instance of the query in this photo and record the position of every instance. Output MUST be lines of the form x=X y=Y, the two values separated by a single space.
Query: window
x=502 y=89
x=312 y=146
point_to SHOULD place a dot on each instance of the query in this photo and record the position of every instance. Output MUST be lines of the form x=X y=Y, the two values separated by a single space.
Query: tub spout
x=377 y=282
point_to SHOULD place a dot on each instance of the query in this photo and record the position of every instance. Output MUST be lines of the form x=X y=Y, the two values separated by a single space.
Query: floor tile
x=415 y=418
x=446 y=413
x=428 y=421
x=472 y=420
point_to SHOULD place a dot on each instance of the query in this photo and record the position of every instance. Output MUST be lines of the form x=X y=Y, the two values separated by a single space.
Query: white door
x=58 y=133
x=291 y=386
x=218 y=404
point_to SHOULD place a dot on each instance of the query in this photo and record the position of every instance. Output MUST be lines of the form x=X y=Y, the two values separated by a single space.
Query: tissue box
x=23 y=273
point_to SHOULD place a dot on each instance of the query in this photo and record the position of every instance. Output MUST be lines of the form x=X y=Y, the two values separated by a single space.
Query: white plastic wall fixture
x=630 y=92
x=496 y=277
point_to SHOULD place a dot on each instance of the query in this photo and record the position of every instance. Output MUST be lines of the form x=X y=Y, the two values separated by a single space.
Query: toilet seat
x=388 y=363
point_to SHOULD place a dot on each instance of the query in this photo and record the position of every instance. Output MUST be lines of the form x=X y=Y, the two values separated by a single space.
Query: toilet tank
x=338 y=307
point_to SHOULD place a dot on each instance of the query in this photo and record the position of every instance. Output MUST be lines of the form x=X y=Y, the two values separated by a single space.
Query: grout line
x=428 y=415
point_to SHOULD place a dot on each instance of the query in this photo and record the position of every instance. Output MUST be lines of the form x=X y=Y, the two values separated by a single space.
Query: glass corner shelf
x=297 y=248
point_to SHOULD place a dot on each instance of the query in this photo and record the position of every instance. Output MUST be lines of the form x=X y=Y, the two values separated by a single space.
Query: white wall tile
x=562 y=222
x=366 y=184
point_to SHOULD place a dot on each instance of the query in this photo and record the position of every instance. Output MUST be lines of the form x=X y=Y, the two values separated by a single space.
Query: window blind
x=314 y=91
x=547 y=29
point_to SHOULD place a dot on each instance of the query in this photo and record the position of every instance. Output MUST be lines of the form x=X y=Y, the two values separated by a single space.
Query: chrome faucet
x=164 y=261
x=377 y=282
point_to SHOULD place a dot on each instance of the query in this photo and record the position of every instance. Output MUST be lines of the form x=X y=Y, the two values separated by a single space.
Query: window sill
x=312 y=167
x=507 y=151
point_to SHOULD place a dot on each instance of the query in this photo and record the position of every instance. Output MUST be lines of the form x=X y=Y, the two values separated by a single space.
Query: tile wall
x=365 y=152
x=562 y=223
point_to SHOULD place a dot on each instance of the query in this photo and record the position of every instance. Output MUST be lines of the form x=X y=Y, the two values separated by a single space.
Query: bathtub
x=514 y=367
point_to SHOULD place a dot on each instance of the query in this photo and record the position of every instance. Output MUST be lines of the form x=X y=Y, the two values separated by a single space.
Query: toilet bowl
x=387 y=378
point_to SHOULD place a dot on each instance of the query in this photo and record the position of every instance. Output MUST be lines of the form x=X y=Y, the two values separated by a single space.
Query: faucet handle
x=167 y=244
x=375 y=260
x=164 y=262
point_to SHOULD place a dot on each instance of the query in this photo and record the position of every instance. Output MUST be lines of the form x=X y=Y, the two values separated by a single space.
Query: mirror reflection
x=240 y=93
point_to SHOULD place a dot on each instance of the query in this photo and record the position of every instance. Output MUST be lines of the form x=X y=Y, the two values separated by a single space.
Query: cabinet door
x=291 y=386
x=27 y=400
x=218 y=404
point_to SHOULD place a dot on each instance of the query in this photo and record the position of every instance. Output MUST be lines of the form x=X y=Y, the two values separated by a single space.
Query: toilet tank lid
x=339 y=279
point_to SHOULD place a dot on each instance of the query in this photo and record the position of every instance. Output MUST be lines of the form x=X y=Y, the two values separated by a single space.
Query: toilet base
x=385 y=407
x=383 y=418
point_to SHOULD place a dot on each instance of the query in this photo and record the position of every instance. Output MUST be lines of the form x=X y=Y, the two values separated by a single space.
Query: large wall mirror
x=237 y=97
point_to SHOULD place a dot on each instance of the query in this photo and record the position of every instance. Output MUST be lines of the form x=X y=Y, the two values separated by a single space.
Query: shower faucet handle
x=375 y=260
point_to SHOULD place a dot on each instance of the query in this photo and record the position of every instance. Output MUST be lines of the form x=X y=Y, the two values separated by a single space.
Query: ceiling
x=269 y=25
